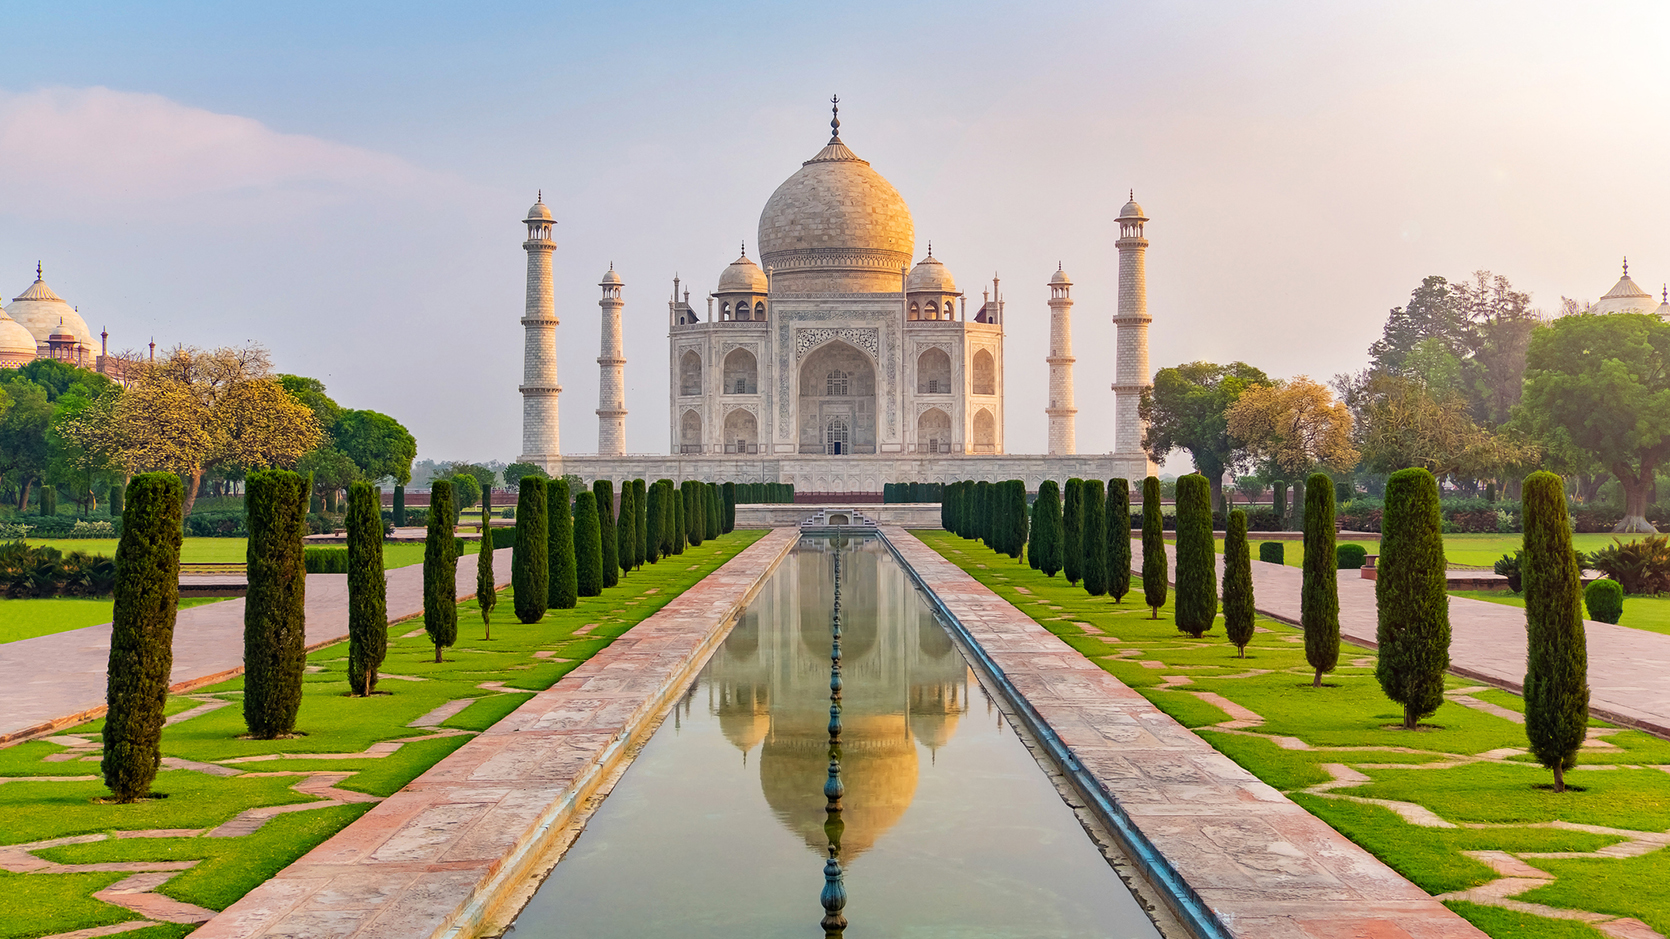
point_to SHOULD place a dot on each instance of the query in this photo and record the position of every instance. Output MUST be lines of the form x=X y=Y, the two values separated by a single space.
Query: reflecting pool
x=946 y=826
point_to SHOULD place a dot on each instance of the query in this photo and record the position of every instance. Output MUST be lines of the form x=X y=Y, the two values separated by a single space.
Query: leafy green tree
x=486 y=588
x=565 y=586
x=1154 y=563
x=530 y=559
x=1557 y=654
x=1238 y=584
x=1410 y=598
x=378 y=444
x=311 y=392
x=275 y=627
x=1095 y=539
x=466 y=490
x=1319 y=596
x=368 y=618
x=1197 y=561
x=1186 y=409
x=440 y=569
x=514 y=472
x=142 y=635
x=23 y=448
x=1119 y=539
x=588 y=546
x=603 y=491
x=1072 y=531
x=330 y=469
x=1431 y=313
x=1600 y=385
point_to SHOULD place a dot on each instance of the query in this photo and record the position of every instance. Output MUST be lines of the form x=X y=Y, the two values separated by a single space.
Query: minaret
x=1131 y=352
x=539 y=362
x=1063 y=441
x=611 y=379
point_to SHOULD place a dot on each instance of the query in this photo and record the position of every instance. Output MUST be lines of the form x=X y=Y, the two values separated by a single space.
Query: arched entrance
x=837 y=406
x=690 y=433
x=933 y=431
x=742 y=434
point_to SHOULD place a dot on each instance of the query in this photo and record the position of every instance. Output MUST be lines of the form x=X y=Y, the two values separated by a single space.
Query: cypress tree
x=588 y=546
x=1319 y=599
x=368 y=618
x=1119 y=539
x=1095 y=538
x=640 y=507
x=565 y=588
x=603 y=491
x=1197 y=575
x=980 y=511
x=486 y=591
x=1033 y=523
x=49 y=500
x=715 y=511
x=530 y=559
x=1238 y=584
x=399 y=506
x=626 y=528
x=1296 y=517
x=440 y=570
x=275 y=635
x=147 y=593
x=1017 y=517
x=1072 y=531
x=654 y=524
x=115 y=502
x=729 y=493
x=694 y=502
x=1412 y=607
x=680 y=522
x=1557 y=655
x=1046 y=534
x=1278 y=501
x=1154 y=561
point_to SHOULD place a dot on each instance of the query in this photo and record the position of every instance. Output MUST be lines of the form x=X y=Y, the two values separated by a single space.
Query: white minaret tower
x=1131 y=374
x=539 y=362
x=611 y=379
x=1063 y=439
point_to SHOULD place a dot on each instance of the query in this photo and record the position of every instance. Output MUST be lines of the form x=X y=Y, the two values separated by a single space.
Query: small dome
x=1060 y=278
x=742 y=276
x=610 y=279
x=539 y=211
x=15 y=340
x=930 y=276
x=43 y=313
x=1626 y=296
x=1132 y=210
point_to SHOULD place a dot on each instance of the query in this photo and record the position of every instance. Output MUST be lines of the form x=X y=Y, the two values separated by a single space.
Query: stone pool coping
x=1259 y=865
x=440 y=856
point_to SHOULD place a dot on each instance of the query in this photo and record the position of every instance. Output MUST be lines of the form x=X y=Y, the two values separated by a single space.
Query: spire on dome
x=930 y=248
x=37 y=270
x=1626 y=265
x=835 y=119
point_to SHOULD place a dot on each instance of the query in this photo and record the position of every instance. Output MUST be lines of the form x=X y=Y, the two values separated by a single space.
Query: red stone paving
x=1267 y=868
x=438 y=853
x=208 y=648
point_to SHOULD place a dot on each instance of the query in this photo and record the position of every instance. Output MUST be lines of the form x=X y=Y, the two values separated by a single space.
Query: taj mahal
x=836 y=361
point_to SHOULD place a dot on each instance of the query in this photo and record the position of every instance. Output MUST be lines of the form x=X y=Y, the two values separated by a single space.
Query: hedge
x=1272 y=552
x=325 y=560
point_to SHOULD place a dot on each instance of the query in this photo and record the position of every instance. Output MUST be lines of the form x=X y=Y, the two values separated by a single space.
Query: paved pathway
x=52 y=681
x=1629 y=669
x=450 y=849
x=1264 y=866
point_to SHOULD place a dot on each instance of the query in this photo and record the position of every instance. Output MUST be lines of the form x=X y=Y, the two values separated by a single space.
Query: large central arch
x=837 y=400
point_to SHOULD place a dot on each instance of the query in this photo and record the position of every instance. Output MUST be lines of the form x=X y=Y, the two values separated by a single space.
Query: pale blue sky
x=344 y=182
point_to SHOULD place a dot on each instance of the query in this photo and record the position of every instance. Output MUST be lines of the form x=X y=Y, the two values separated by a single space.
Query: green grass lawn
x=1640 y=612
x=1468 y=766
x=42 y=904
x=26 y=619
x=1459 y=550
x=234 y=550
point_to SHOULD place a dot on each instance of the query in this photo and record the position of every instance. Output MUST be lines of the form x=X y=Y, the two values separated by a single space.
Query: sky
x=343 y=183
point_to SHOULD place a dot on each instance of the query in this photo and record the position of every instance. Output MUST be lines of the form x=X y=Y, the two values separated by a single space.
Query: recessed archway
x=933 y=373
x=690 y=433
x=984 y=373
x=742 y=432
x=690 y=373
x=933 y=431
x=741 y=373
x=985 y=432
x=837 y=383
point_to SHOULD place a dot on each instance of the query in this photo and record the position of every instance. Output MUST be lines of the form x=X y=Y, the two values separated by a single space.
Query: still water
x=947 y=828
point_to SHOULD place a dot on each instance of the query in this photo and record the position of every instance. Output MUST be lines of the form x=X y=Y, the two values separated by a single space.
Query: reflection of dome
x=17 y=344
x=934 y=641
x=878 y=768
x=40 y=311
x=934 y=712
x=930 y=276
x=744 y=715
x=742 y=276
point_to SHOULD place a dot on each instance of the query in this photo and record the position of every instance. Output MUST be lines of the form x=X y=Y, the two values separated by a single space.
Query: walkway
x=1629 y=669
x=53 y=681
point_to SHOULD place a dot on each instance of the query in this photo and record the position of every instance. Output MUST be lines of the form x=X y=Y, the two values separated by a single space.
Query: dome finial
x=835 y=118
x=1058 y=263
x=1626 y=265
x=930 y=248
x=37 y=270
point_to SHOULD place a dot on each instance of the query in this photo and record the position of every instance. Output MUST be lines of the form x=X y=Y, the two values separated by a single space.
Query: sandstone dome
x=17 y=344
x=742 y=276
x=930 y=276
x=836 y=226
x=40 y=311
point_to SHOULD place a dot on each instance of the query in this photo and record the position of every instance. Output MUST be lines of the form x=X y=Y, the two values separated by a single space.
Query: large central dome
x=836 y=226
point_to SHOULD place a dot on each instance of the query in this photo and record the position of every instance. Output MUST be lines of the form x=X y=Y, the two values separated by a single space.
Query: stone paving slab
x=1629 y=669
x=439 y=854
x=1263 y=865
x=208 y=648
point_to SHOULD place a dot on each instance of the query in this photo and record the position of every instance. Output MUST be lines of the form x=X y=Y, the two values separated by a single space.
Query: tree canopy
x=1296 y=424
x=1188 y=409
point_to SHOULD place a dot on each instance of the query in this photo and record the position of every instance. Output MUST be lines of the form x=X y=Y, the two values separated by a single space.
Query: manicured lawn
x=234 y=550
x=1640 y=612
x=26 y=619
x=333 y=723
x=1459 y=550
x=1468 y=766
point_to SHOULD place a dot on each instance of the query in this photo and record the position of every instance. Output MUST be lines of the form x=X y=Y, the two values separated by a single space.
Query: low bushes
x=764 y=493
x=40 y=571
x=216 y=525
x=325 y=560
x=79 y=528
x=1604 y=600
x=1272 y=552
x=1638 y=566
x=1350 y=556
x=912 y=492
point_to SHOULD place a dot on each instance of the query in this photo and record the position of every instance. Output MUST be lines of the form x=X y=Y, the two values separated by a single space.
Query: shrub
x=400 y=506
x=1072 y=531
x=1412 y=607
x=275 y=628
x=1509 y=566
x=216 y=524
x=440 y=570
x=486 y=586
x=503 y=537
x=694 y=500
x=530 y=559
x=325 y=560
x=1272 y=552
x=1350 y=556
x=41 y=571
x=1154 y=562
x=626 y=529
x=1119 y=539
x=1095 y=539
x=588 y=546
x=1239 y=612
x=1556 y=657
x=982 y=516
x=142 y=636
x=1319 y=599
x=565 y=588
x=1197 y=575
x=1641 y=566
x=368 y=620
x=603 y=491
x=1604 y=600
x=1343 y=491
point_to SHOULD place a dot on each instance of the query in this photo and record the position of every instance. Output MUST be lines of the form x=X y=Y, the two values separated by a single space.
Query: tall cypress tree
x=1557 y=654
x=1238 y=585
x=626 y=529
x=530 y=559
x=729 y=493
x=1095 y=538
x=147 y=593
x=640 y=507
x=368 y=616
x=980 y=488
x=604 y=492
x=1033 y=522
x=486 y=588
x=1046 y=534
x=695 y=527
x=679 y=521
x=1412 y=632
x=1154 y=563
x=1072 y=531
x=399 y=506
x=1016 y=517
x=1278 y=502
x=565 y=589
x=1119 y=539
x=1319 y=598
x=275 y=628
x=440 y=569
x=1197 y=562
x=588 y=546
x=655 y=524
x=715 y=511
x=1296 y=513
